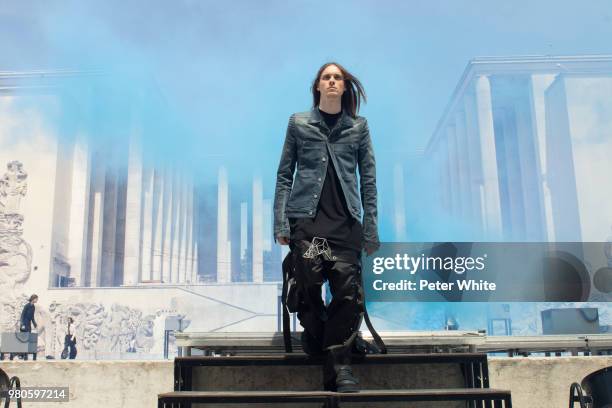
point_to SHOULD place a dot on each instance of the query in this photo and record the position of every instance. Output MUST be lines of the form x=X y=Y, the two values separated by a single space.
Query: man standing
x=317 y=211
x=27 y=315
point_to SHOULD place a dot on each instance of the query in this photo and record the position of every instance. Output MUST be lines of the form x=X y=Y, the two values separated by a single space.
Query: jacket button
x=323 y=159
x=315 y=196
x=310 y=212
x=319 y=179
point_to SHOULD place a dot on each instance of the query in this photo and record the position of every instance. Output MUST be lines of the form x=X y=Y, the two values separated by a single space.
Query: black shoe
x=345 y=381
x=310 y=345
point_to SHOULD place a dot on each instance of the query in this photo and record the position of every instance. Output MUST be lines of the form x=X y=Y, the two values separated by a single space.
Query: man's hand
x=370 y=249
x=282 y=240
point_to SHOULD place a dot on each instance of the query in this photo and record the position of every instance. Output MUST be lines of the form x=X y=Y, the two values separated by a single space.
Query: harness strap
x=287 y=264
x=377 y=339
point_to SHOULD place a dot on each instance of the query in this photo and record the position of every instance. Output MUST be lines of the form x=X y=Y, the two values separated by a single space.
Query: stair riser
x=309 y=378
x=429 y=404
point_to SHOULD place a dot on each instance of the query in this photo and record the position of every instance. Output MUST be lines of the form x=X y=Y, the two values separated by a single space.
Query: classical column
x=244 y=237
x=194 y=262
x=532 y=204
x=79 y=212
x=463 y=165
x=183 y=232
x=177 y=205
x=453 y=174
x=257 y=230
x=224 y=270
x=133 y=212
x=167 y=225
x=158 y=224
x=109 y=226
x=267 y=224
x=399 y=203
x=97 y=221
x=187 y=264
x=147 y=226
x=490 y=181
x=442 y=168
x=473 y=158
x=196 y=234
x=540 y=84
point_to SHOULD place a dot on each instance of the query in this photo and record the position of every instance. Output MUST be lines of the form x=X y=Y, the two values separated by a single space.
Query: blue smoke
x=210 y=84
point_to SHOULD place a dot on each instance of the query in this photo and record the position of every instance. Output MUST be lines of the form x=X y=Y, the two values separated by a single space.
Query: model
x=317 y=212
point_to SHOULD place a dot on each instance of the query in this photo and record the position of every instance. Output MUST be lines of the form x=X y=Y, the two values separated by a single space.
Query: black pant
x=72 y=352
x=336 y=324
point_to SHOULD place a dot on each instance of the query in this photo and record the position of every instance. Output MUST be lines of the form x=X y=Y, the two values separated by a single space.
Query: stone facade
x=102 y=235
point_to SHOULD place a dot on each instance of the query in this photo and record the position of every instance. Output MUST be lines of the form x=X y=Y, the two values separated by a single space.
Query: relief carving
x=106 y=330
x=15 y=253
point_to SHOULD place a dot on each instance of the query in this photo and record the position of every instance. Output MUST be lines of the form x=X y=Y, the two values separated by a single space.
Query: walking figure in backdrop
x=70 y=350
x=27 y=315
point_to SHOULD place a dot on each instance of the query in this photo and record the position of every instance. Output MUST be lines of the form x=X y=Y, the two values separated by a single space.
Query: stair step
x=232 y=397
x=303 y=359
x=332 y=398
x=298 y=372
x=272 y=342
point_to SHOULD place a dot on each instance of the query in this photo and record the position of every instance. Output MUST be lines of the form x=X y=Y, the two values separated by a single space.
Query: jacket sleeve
x=284 y=181
x=367 y=187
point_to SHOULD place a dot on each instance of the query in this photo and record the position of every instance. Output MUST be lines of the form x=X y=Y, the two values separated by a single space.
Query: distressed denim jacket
x=310 y=145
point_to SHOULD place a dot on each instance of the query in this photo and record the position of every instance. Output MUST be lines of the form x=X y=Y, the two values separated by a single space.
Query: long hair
x=353 y=90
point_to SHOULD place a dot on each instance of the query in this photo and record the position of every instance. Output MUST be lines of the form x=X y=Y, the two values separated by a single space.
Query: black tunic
x=333 y=220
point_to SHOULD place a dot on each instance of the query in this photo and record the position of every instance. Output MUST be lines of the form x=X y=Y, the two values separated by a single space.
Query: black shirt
x=333 y=220
x=27 y=315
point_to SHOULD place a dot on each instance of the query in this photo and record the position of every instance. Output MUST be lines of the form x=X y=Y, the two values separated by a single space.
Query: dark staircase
x=440 y=380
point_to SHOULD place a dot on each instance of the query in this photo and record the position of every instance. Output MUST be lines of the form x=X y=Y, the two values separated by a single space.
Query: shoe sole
x=347 y=389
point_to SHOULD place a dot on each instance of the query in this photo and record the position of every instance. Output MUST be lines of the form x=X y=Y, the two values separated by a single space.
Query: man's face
x=331 y=82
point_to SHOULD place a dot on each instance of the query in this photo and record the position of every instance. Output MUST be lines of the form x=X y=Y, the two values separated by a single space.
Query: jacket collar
x=345 y=120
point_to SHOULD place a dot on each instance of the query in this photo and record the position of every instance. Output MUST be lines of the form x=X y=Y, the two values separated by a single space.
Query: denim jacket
x=310 y=145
